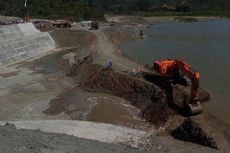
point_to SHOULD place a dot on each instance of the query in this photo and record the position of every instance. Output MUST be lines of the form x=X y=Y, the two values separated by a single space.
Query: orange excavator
x=174 y=70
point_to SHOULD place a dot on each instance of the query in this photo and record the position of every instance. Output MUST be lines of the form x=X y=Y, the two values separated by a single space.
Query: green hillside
x=94 y=9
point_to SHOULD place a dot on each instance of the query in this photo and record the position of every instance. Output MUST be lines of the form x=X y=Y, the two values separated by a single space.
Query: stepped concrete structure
x=22 y=41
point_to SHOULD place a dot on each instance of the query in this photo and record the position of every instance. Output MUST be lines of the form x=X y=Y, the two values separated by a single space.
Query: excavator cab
x=173 y=70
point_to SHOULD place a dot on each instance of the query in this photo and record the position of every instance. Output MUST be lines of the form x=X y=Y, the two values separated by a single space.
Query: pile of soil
x=144 y=95
x=72 y=38
x=191 y=131
x=121 y=33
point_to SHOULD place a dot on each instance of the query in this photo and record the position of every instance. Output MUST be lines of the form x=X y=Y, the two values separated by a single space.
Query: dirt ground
x=28 y=141
x=78 y=86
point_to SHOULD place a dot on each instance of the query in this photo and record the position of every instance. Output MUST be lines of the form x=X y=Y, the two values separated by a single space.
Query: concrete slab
x=95 y=131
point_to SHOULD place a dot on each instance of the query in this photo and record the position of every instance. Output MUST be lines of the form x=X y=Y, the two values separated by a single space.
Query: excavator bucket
x=195 y=109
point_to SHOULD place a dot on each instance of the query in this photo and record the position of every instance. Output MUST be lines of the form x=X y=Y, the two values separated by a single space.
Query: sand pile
x=119 y=34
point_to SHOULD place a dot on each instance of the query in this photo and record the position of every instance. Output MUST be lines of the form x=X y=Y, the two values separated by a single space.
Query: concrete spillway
x=22 y=41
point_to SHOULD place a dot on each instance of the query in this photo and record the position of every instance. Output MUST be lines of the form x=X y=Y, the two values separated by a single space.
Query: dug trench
x=191 y=131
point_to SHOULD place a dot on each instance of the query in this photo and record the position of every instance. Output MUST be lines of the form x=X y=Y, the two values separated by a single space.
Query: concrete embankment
x=22 y=41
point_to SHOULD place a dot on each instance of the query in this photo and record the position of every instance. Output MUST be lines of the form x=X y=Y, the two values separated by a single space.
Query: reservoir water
x=204 y=45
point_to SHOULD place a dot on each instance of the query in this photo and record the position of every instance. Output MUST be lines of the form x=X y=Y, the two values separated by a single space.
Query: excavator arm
x=172 y=69
x=194 y=76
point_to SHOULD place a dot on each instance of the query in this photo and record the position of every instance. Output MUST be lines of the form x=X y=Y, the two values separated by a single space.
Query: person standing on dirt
x=136 y=72
x=108 y=65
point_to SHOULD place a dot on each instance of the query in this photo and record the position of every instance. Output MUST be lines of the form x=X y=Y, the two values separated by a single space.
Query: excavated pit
x=191 y=131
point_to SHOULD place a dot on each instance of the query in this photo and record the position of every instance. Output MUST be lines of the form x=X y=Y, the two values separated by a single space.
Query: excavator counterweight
x=172 y=69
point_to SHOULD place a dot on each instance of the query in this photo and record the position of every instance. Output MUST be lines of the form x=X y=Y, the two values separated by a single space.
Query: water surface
x=205 y=45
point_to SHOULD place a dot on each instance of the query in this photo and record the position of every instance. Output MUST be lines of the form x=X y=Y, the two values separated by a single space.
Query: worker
x=136 y=72
x=108 y=65
x=139 y=71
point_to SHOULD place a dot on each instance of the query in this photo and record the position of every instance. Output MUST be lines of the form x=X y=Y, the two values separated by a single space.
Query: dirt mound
x=157 y=114
x=192 y=132
x=121 y=33
x=72 y=38
x=143 y=95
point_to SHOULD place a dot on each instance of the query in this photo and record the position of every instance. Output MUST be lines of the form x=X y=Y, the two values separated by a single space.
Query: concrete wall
x=22 y=41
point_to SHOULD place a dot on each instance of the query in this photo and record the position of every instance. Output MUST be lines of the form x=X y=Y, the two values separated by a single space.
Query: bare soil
x=139 y=93
x=10 y=74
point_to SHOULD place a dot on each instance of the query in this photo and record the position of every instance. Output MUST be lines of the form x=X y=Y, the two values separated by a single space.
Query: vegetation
x=166 y=7
x=94 y=9
x=77 y=9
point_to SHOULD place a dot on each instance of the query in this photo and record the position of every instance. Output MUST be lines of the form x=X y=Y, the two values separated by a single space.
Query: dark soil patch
x=59 y=104
x=10 y=74
x=191 y=131
x=114 y=112
x=186 y=19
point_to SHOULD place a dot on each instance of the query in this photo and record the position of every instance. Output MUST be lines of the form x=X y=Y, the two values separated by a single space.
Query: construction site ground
x=72 y=83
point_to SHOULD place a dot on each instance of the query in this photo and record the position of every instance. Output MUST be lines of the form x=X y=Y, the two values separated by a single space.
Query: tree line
x=77 y=9
x=161 y=6
x=95 y=9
